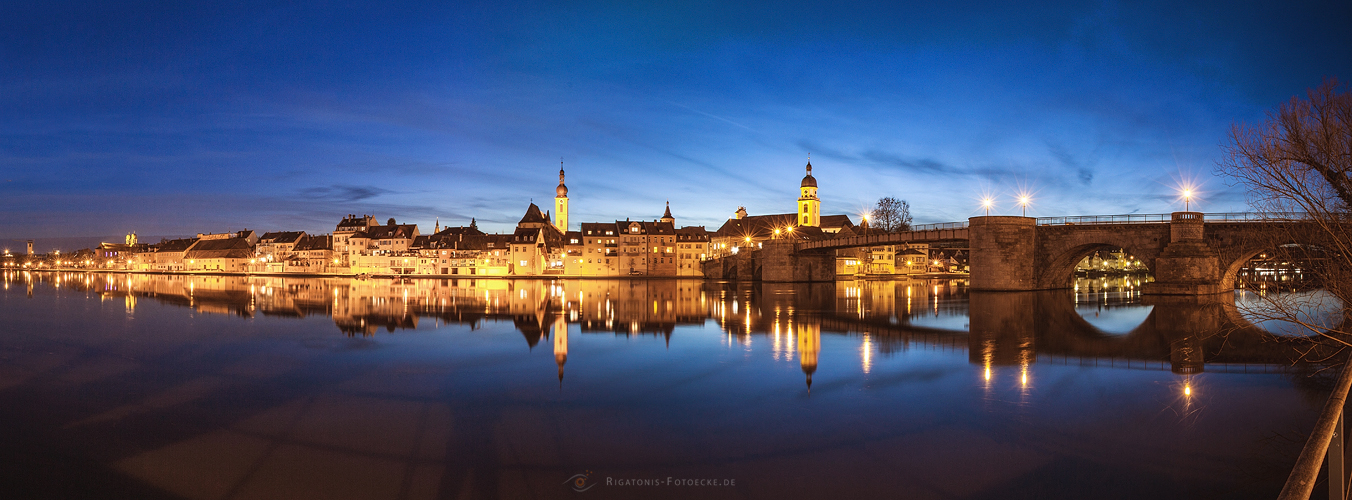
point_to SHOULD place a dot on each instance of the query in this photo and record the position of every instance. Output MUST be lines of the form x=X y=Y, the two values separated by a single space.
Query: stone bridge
x=1016 y=328
x=1188 y=253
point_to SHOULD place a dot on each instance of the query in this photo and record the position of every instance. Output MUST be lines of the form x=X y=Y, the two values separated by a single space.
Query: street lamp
x=1023 y=201
x=986 y=203
x=1187 y=199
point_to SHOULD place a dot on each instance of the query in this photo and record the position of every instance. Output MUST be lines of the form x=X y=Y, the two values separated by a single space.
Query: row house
x=537 y=245
x=277 y=246
x=647 y=248
x=383 y=249
x=447 y=252
x=312 y=254
x=343 y=233
x=593 y=250
x=166 y=256
x=224 y=252
x=464 y=254
x=692 y=247
x=637 y=248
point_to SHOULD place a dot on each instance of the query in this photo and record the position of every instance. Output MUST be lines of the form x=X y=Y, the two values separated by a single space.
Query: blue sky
x=178 y=117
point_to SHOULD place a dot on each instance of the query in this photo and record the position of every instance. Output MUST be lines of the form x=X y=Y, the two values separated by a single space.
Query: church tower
x=560 y=344
x=561 y=204
x=809 y=346
x=809 y=207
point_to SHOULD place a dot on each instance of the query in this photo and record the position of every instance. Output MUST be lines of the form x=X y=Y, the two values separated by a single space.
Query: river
x=211 y=387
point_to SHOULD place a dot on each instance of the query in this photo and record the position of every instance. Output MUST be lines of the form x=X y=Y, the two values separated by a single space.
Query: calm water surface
x=151 y=386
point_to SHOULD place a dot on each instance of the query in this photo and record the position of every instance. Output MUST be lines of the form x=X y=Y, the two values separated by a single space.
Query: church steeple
x=809 y=346
x=561 y=203
x=666 y=216
x=809 y=206
x=560 y=345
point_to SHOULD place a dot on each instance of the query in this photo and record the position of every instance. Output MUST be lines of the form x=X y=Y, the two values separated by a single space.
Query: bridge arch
x=1236 y=258
x=1060 y=248
x=1059 y=270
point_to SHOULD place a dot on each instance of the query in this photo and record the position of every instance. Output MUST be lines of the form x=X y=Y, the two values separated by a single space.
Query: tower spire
x=666 y=216
x=561 y=202
x=809 y=206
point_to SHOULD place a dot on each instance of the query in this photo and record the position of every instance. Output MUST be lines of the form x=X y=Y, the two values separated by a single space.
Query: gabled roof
x=533 y=216
x=461 y=230
x=833 y=221
x=551 y=235
x=646 y=227
x=179 y=245
x=397 y=231
x=226 y=248
x=692 y=233
x=309 y=243
x=598 y=228
x=481 y=242
x=355 y=223
x=281 y=237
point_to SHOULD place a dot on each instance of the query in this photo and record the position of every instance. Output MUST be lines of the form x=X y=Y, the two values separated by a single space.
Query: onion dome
x=809 y=180
x=562 y=190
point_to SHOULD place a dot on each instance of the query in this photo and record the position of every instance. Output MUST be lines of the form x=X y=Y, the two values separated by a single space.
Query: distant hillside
x=73 y=243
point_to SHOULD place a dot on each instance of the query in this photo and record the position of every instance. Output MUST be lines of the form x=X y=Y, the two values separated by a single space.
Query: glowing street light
x=1023 y=202
x=986 y=204
x=1187 y=199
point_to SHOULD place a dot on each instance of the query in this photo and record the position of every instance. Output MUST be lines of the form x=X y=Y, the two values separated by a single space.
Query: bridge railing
x=1164 y=218
x=1103 y=219
x=1256 y=217
x=939 y=226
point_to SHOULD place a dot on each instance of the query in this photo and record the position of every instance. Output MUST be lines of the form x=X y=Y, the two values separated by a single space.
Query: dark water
x=228 y=387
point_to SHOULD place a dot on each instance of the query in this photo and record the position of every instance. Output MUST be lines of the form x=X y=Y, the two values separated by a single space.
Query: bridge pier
x=1003 y=249
x=1003 y=327
x=745 y=266
x=1187 y=266
x=782 y=263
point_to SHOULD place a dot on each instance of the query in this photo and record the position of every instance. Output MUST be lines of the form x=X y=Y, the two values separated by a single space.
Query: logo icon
x=579 y=482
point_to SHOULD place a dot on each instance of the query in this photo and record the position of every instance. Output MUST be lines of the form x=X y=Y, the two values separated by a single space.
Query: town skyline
x=170 y=120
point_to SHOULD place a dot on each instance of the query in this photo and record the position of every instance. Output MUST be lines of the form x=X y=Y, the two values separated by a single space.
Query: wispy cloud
x=343 y=193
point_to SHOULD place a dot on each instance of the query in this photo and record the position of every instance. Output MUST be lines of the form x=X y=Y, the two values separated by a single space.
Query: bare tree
x=891 y=215
x=1297 y=164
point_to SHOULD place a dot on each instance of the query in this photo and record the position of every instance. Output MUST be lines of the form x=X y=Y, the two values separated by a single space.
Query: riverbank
x=871 y=277
x=353 y=276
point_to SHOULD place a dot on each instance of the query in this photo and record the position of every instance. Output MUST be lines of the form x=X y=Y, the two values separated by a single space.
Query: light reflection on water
x=507 y=388
x=1316 y=310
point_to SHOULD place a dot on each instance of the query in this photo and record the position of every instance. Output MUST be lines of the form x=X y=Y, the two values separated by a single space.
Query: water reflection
x=641 y=378
x=1271 y=308
x=1099 y=321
